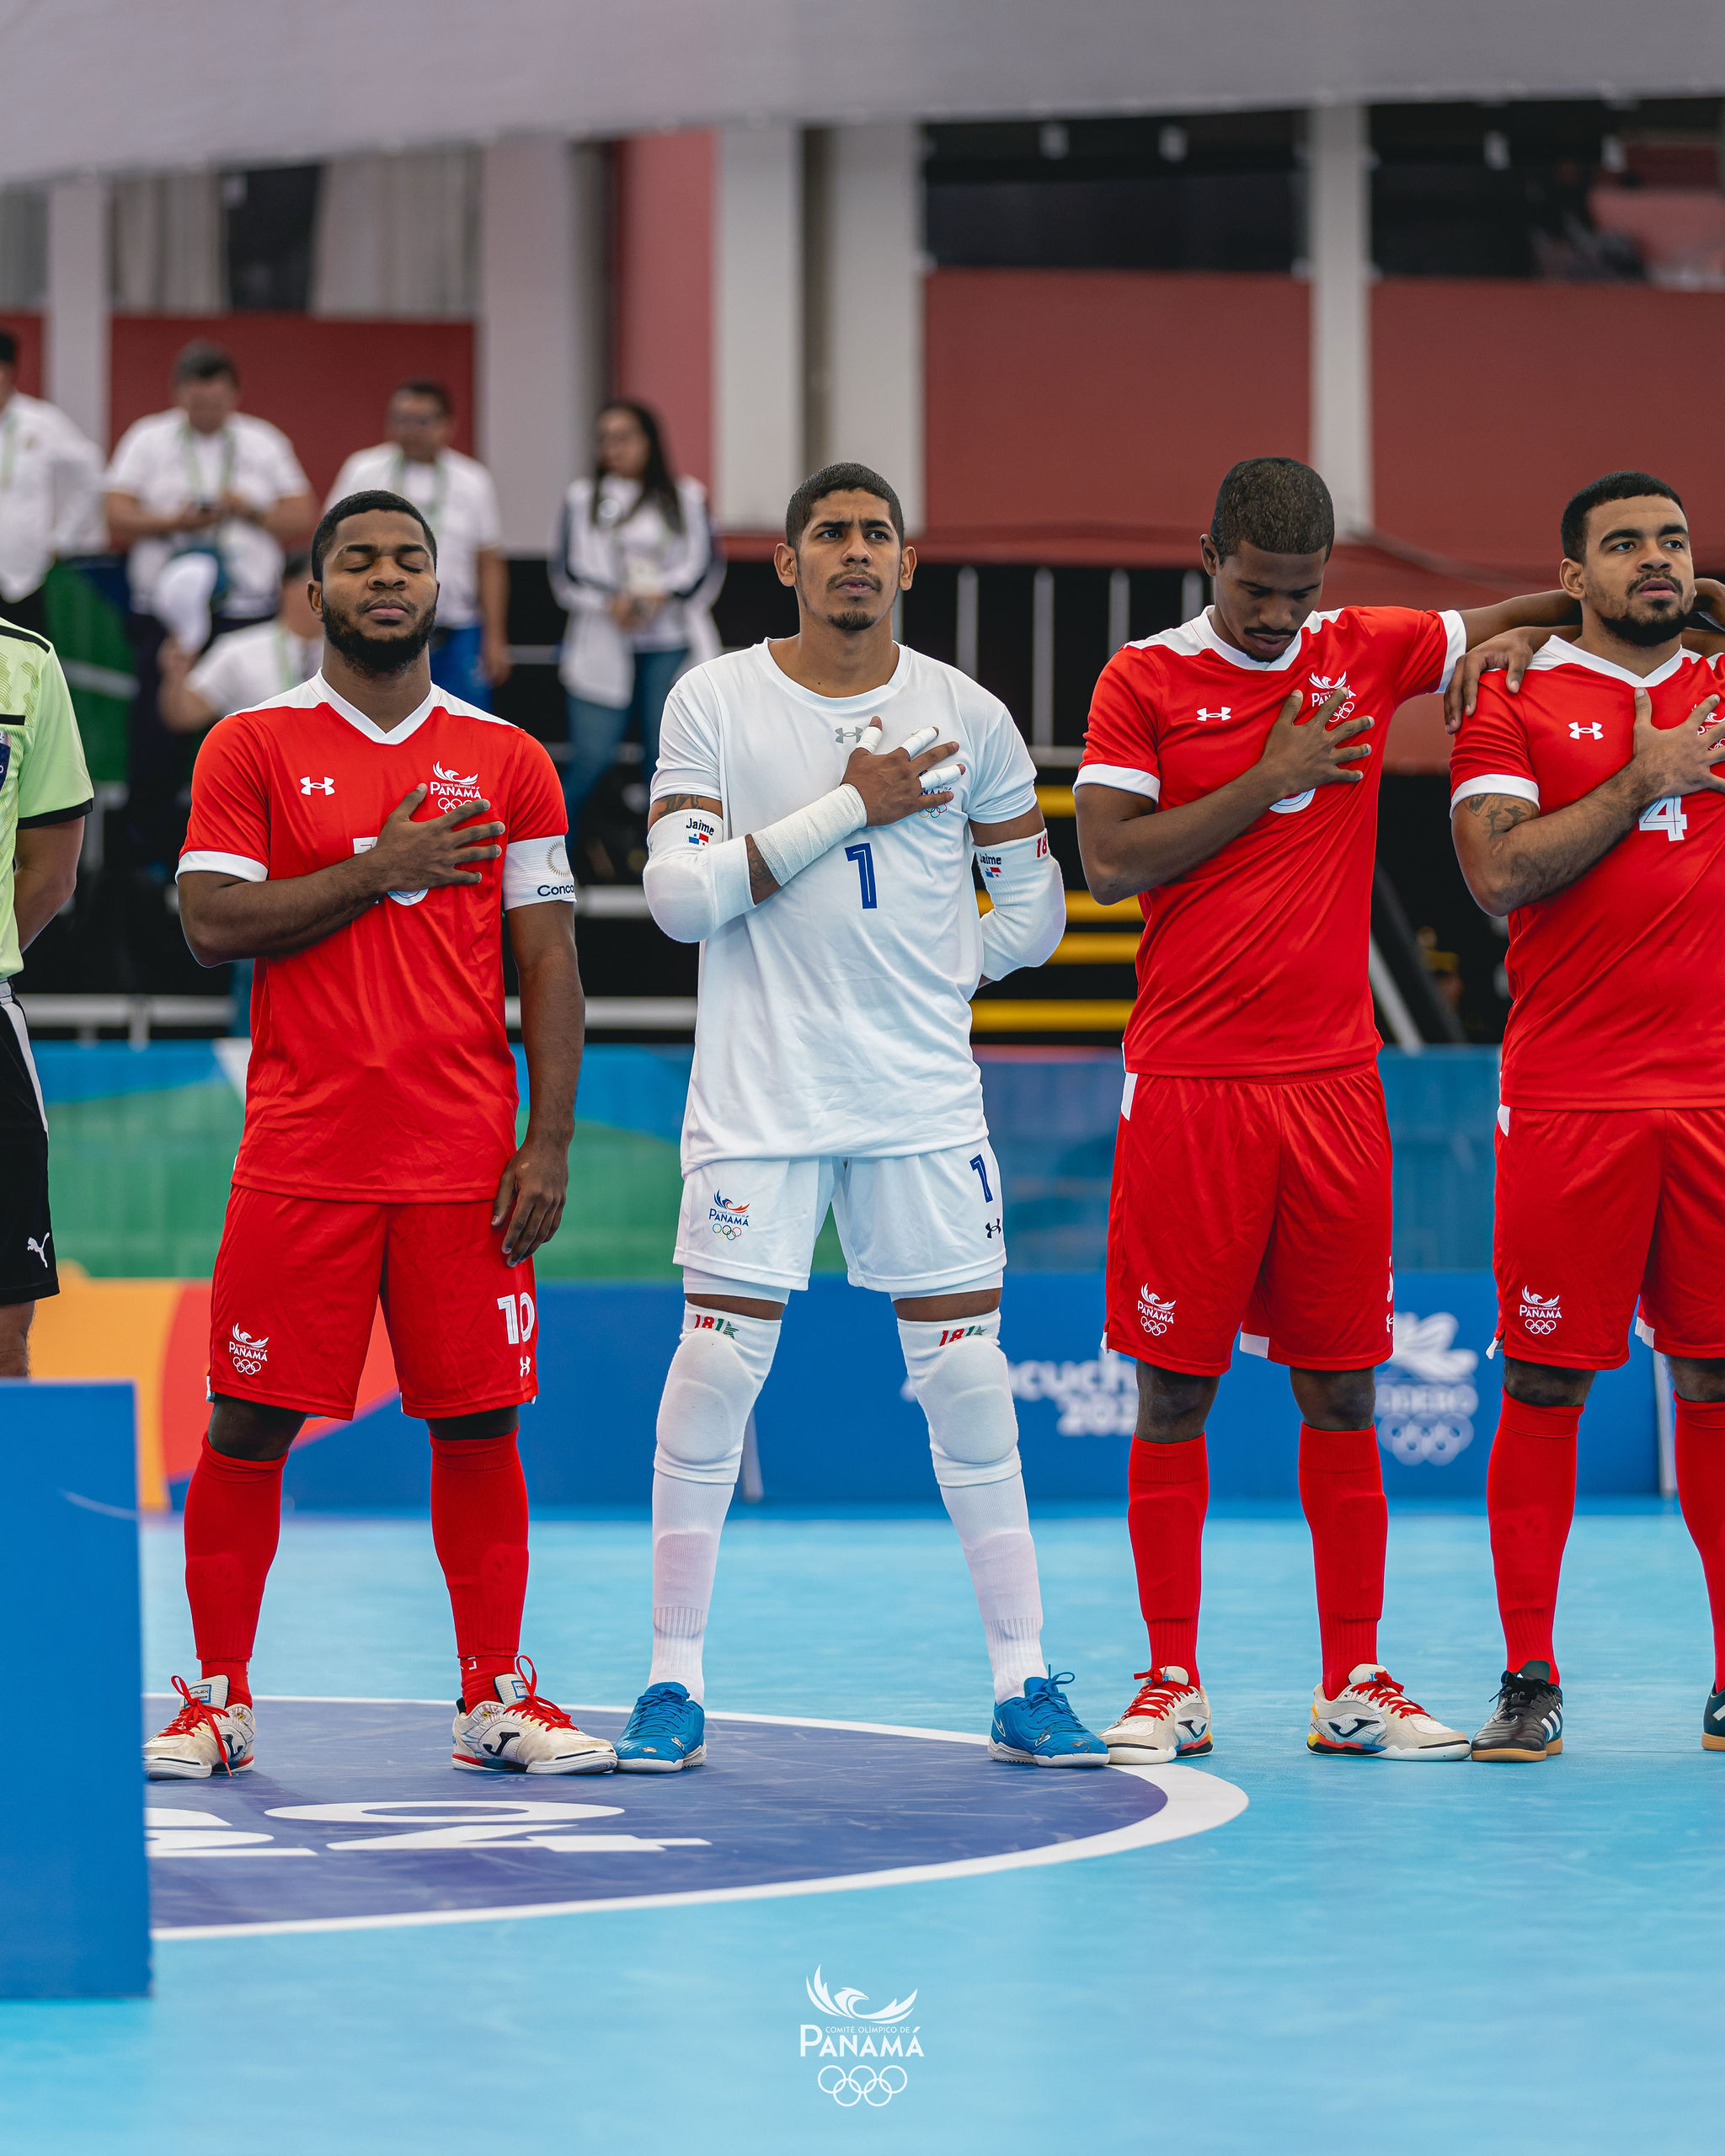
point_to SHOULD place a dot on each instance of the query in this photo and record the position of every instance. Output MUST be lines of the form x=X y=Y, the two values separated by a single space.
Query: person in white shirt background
x=239 y=671
x=51 y=493
x=203 y=496
x=633 y=562
x=470 y=644
x=246 y=667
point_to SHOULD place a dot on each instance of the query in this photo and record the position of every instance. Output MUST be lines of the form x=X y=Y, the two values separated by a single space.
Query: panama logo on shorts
x=726 y=1218
x=248 y=1355
x=1540 y=1314
x=1154 y=1314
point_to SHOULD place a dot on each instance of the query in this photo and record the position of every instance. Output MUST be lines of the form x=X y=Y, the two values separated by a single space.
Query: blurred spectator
x=634 y=562
x=470 y=645
x=50 y=492
x=203 y=494
x=246 y=667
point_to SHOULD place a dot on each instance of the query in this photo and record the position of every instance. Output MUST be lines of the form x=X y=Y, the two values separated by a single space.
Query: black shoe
x=1713 y=1723
x=1528 y=1722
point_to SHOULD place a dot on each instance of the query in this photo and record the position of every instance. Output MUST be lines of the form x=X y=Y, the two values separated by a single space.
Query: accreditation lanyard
x=288 y=651
x=195 y=470
x=433 y=508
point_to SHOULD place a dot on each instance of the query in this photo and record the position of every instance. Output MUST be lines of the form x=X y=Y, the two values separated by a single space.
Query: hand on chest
x=330 y=806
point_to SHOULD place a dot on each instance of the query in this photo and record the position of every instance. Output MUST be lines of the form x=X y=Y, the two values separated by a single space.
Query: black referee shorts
x=27 y=1268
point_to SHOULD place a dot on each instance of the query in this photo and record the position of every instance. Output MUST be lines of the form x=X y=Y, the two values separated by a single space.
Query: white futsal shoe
x=1372 y=1715
x=522 y=1733
x=205 y=1735
x=1168 y=1719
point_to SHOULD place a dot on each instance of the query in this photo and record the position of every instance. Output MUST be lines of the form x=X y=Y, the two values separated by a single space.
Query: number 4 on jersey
x=1667 y=816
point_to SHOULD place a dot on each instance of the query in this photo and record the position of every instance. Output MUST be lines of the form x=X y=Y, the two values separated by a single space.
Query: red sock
x=233 y=1522
x=479 y=1526
x=1700 y=1489
x=1530 y=1501
x=1168 y=1496
x=1342 y=1490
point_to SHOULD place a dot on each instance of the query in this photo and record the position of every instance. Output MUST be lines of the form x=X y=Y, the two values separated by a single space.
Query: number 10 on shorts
x=519 y=1317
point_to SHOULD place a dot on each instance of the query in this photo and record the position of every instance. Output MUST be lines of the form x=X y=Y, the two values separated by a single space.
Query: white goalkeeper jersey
x=835 y=1019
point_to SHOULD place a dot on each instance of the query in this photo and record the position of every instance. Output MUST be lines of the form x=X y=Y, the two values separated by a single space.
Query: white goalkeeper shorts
x=918 y=1223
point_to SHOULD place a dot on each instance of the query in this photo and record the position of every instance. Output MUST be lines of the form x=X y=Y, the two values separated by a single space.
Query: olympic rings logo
x=861 y=2085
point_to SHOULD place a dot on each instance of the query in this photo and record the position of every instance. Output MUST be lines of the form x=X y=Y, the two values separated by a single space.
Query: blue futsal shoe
x=666 y=1732
x=1038 y=1729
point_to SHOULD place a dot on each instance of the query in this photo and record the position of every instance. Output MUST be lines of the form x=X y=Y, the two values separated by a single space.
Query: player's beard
x=1644 y=631
x=382 y=656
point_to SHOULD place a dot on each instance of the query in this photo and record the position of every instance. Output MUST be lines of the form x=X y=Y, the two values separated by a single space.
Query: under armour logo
x=40 y=1248
x=317 y=786
x=1578 y=731
x=526 y=1369
x=1227 y=712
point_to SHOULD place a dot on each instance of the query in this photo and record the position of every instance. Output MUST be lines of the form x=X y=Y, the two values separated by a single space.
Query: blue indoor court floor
x=1524 y=1958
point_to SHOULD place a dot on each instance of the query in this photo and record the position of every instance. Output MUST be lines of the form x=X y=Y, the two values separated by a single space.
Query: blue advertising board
x=834 y=1424
x=72 y=1881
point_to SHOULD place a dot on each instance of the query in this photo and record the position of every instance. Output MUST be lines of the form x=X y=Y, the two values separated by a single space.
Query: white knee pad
x=718 y=1370
x=959 y=1376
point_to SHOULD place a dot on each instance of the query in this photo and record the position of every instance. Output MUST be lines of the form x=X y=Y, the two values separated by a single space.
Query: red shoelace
x=1155 y=1699
x=197 y=1714
x=536 y=1705
x=1386 y=1693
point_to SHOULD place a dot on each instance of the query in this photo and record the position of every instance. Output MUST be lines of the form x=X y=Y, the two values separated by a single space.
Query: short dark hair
x=8 y=348
x=422 y=385
x=202 y=362
x=839 y=479
x=359 y=505
x=1276 y=503
x=1614 y=487
x=297 y=564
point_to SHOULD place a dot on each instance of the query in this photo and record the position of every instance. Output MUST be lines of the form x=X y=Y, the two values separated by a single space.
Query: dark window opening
x=1210 y=191
x=269 y=216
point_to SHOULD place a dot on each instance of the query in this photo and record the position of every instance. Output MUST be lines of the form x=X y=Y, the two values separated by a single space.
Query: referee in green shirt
x=44 y=795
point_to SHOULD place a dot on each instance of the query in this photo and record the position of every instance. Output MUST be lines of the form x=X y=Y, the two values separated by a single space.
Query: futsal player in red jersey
x=1230 y=782
x=363 y=837
x=1588 y=807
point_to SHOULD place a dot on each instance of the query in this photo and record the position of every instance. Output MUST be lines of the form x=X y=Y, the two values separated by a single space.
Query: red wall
x=1100 y=407
x=28 y=330
x=1494 y=401
x=324 y=383
x=664 y=289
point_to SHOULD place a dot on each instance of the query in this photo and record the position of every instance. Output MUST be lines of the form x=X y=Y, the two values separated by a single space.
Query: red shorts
x=1257 y=1209
x=1596 y=1207
x=297 y=1283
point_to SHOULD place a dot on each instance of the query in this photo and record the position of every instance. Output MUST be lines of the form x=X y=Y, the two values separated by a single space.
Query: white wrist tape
x=696 y=879
x=789 y=845
x=1029 y=916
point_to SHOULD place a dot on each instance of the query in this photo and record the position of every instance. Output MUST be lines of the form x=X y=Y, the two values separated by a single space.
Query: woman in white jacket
x=635 y=564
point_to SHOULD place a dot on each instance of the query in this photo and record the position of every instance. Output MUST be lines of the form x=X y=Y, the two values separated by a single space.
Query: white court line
x=1197 y=1801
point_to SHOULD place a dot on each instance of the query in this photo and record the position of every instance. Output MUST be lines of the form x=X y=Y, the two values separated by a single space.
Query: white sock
x=959 y=1377
x=721 y=1361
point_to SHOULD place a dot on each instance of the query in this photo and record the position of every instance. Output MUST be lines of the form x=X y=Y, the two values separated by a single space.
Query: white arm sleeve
x=696 y=879
x=1029 y=916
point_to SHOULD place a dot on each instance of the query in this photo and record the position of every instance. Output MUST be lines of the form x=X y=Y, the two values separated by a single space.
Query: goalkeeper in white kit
x=816 y=807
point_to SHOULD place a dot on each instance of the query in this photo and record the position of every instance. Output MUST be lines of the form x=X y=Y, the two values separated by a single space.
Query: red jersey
x=380 y=1066
x=1254 y=964
x=1618 y=981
